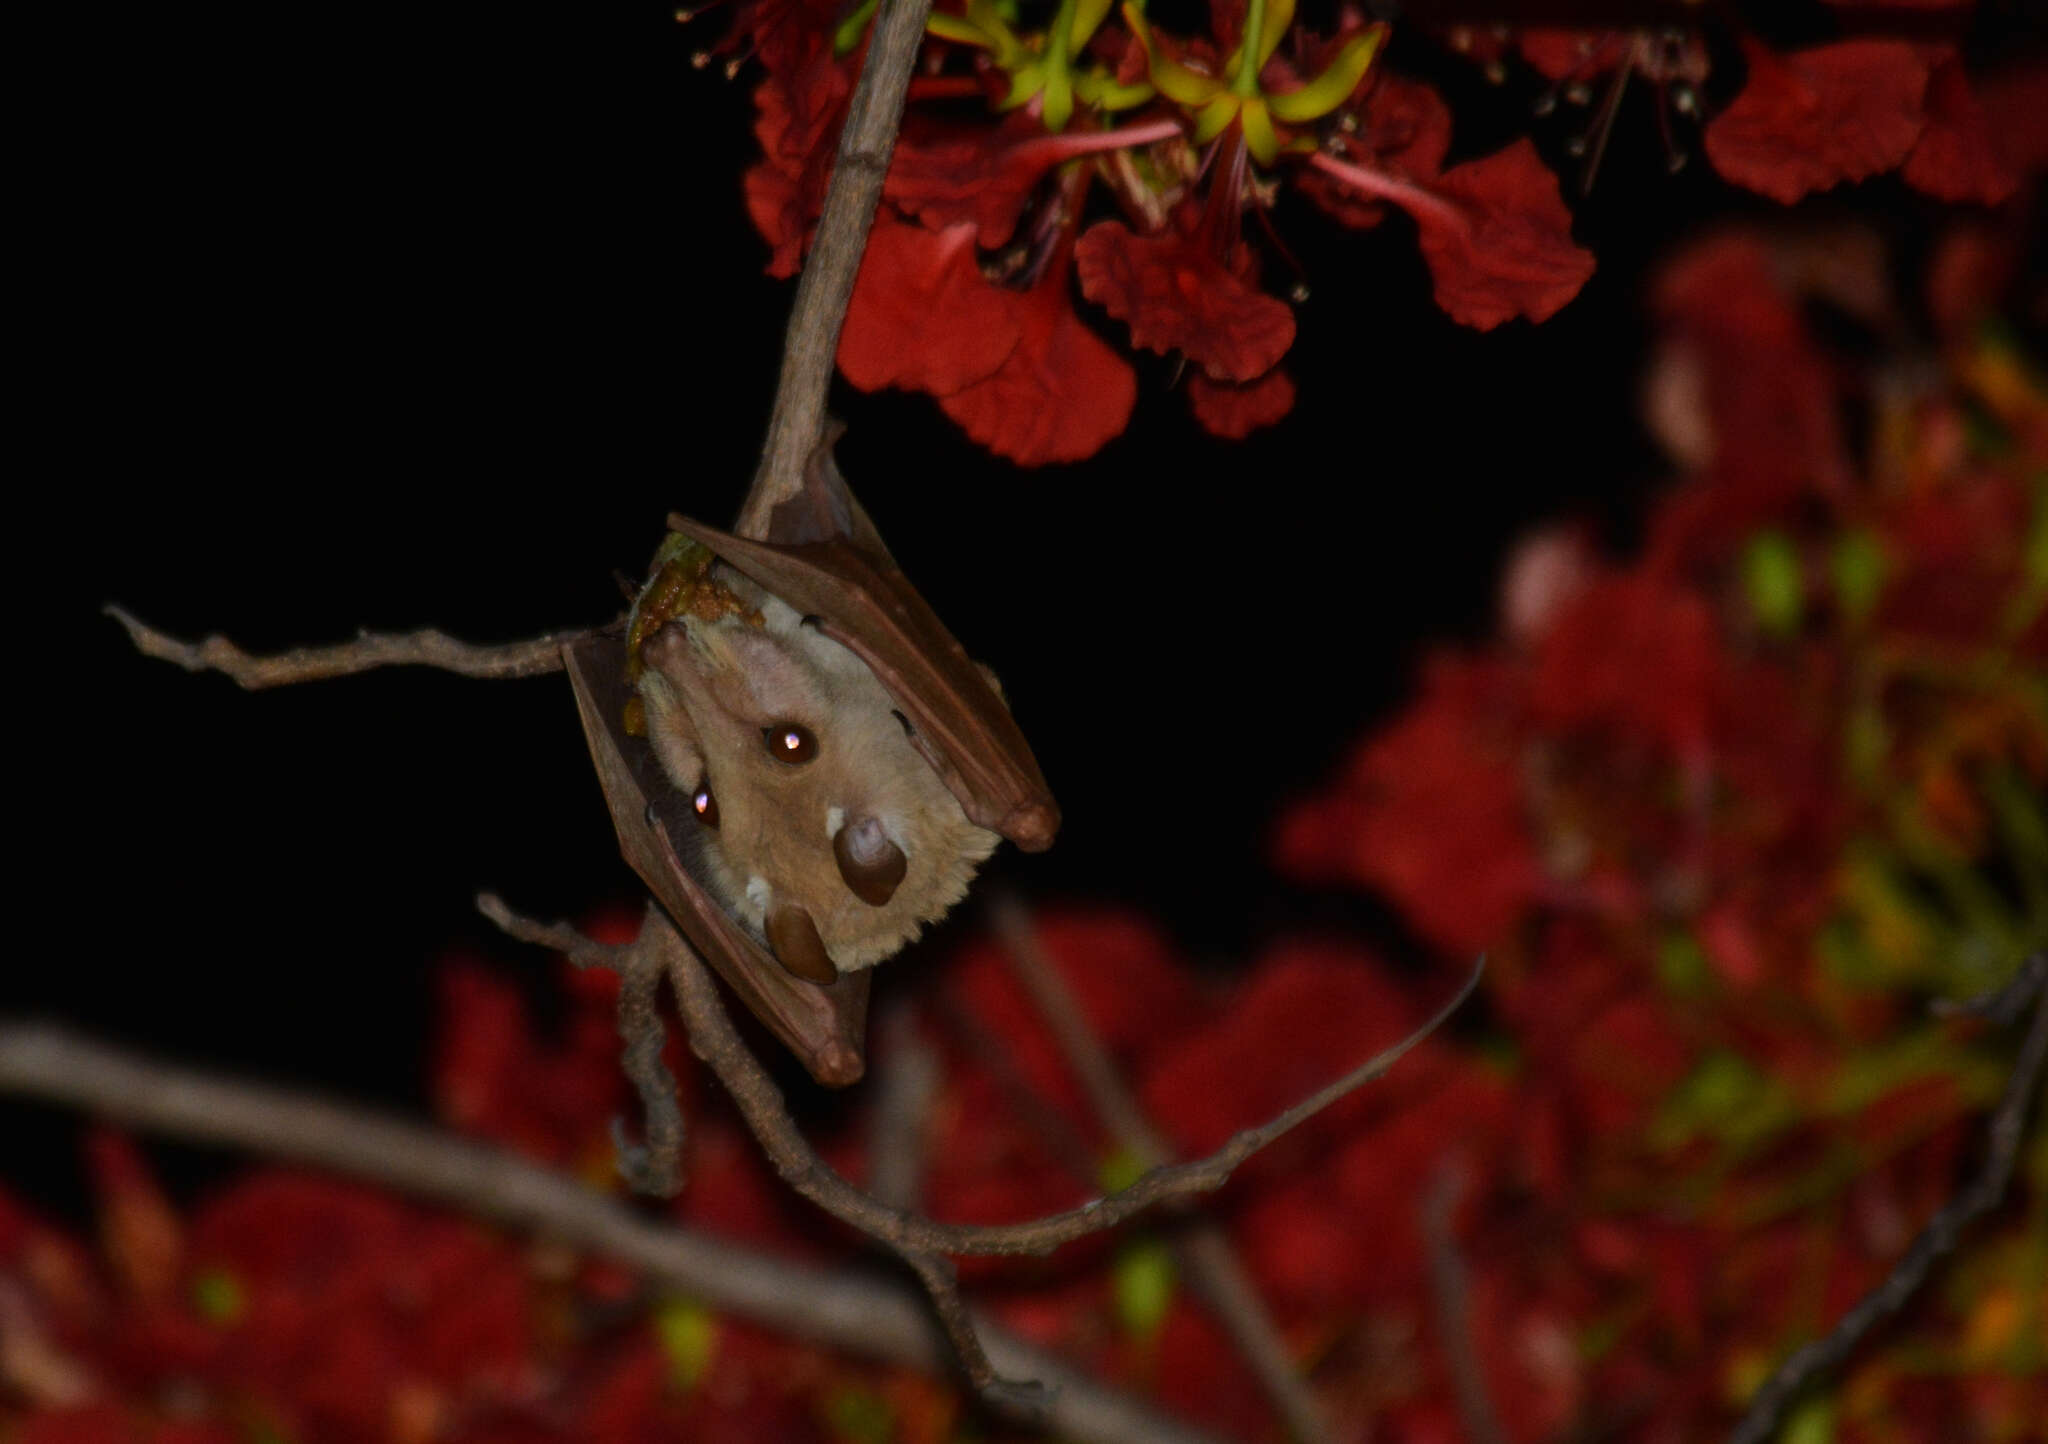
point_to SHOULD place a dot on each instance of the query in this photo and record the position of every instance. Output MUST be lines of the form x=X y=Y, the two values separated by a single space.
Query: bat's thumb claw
x=1031 y=825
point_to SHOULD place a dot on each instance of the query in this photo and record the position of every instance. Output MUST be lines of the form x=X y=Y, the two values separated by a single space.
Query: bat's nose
x=870 y=863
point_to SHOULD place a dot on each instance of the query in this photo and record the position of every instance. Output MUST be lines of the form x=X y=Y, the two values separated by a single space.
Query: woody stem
x=811 y=346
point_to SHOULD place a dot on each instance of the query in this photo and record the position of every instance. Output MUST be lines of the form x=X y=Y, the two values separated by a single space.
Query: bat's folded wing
x=957 y=720
x=825 y=1026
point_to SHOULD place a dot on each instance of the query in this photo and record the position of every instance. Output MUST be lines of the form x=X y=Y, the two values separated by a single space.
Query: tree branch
x=1452 y=1294
x=1768 y=1406
x=656 y=1166
x=811 y=348
x=534 y=657
x=926 y=1245
x=1202 y=1250
x=862 y=1316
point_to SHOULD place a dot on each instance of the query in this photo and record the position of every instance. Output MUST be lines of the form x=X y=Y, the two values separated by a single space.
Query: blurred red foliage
x=1723 y=817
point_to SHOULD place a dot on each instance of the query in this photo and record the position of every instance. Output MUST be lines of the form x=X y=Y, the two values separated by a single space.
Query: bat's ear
x=826 y=509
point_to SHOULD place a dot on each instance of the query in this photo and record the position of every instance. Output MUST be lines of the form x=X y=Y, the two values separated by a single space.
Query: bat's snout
x=871 y=865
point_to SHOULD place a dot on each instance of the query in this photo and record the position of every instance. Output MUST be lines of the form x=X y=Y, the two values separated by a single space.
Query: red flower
x=1176 y=294
x=1235 y=412
x=1813 y=118
x=1327 y=1007
x=1061 y=395
x=986 y=176
x=1404 y=128
x=923 y=317
x=1513 y=255
x=494 y=1078
x=1635 y=654
x=1495 y=233
x=1958 y=158
x=801 y=103
x=1430 y=810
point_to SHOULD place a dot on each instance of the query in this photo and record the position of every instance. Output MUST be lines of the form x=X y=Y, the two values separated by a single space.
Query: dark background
x=389 y=317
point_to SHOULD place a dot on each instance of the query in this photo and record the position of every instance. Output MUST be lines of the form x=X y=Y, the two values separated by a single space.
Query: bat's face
x=820 y=824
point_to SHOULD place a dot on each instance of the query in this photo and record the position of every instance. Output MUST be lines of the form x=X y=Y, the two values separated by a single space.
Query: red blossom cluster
x=1724 y=817
x=1103 y=155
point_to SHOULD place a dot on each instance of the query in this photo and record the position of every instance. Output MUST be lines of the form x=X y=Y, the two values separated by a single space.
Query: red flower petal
x=1812 y=119
x=1956 y=158
x=1175 y=295
x=923 y=317
x=1635 y=653
x=1404 y=128
x=1061 y=394
x=1513 y=254
x=1431 y=811
x=801 y=103
x=983 y=176
x=1235 y=412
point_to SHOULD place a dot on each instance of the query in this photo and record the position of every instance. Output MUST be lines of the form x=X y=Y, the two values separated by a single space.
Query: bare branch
x=534 y=657
x=1202 y=1249
x=924 y=1244
x=760 y=1103
x=656 y=1166
x=811 y=348
x=1453 y=1296
x=906 y=1087
x=1768 y=1406
x=859 y=1315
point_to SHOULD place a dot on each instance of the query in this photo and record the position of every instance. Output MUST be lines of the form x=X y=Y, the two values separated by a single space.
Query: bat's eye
x=705 y=805
x=790 y=742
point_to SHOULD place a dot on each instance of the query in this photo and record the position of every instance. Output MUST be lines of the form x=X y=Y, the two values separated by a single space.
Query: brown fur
x=709 y=689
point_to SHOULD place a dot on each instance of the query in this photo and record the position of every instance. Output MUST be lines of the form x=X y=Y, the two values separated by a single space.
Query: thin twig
x=655 y=1166
x=533 y=657
x=811 y=348
x=906 y=1086
x=860 y=1315
x=923 y=1243
x=712 y=1038
x=1768 y=1406
x=1453 y=1295
x=1202 y=1249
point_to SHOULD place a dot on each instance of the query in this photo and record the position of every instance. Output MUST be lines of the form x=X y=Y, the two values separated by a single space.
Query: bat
x=801 y=762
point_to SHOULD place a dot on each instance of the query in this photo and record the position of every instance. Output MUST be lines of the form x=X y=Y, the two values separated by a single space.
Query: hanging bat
x=801 y=762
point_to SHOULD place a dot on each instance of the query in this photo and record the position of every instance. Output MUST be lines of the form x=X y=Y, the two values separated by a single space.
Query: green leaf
x=853 y=27
x=1175 y=81
x=1259 y=136
x=1215 y=117
x=1682 y=966
x=1813 y=1422
x=1143 y=1279
x=860 y=1416
x=1120 y=1170
x=1771 y=579
x=1101 y=89
x=1857 y=567
x=217 y=1294
x=1334 y=86
x=688 y=1335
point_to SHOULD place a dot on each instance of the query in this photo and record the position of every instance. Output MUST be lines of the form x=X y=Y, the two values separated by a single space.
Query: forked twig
x=922 y=1242
x=1768 y=1406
